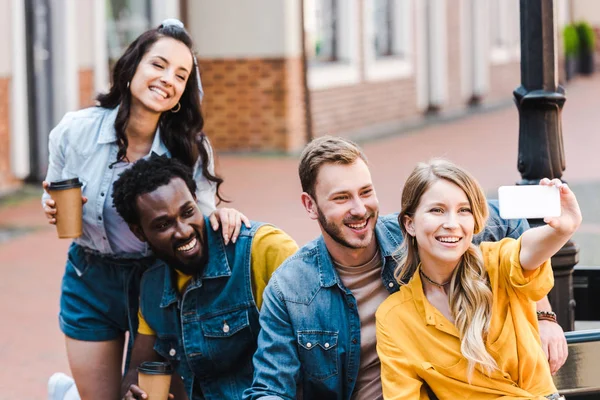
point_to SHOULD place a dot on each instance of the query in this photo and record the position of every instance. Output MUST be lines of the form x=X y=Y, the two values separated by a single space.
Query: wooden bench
x=579 y=378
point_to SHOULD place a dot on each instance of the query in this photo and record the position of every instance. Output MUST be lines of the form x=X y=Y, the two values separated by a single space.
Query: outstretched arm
x=540 y=243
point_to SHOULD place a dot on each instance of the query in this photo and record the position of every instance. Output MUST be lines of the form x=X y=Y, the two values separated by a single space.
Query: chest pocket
x=229 y=339
x=318 y=353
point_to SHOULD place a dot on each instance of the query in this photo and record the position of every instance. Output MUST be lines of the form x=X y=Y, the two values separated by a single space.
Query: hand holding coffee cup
x=64 y=209
x=154 y=381
x=135 y=393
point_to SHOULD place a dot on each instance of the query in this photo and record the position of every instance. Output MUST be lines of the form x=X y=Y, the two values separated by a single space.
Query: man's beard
x=335 y=231
x=191 y=268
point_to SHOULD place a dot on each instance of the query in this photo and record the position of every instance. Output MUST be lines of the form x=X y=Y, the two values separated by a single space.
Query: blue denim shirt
x=310 y=336
x=209 y=332
x=84 y=145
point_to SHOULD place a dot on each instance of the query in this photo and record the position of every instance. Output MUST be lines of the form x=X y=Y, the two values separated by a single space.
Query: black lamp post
x=540 y=100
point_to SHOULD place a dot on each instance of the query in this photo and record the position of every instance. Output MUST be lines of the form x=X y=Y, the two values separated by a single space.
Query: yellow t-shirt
x=270 y=247
x=417 y=344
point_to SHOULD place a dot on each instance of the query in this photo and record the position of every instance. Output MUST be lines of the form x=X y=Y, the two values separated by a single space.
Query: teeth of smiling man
x=187 y=247
x=159 y=91
x=449 y=239
x=358 y=226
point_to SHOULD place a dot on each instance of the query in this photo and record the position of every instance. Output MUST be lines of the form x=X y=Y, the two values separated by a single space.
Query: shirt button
x=104 y=237
x=309 y=345
x=326 y=345
x=391 y=284
x=225 y=327
x=350 y=379
x=102 y=194
x=351 y=305
x=172 y=352
x=99 y=218
x=354 y=341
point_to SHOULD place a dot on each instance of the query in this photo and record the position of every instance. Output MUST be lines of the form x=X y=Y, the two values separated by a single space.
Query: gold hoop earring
x=414 y=241
x=176 y=108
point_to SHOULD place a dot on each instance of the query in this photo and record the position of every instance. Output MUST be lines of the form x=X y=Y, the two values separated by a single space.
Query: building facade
x=276 y=73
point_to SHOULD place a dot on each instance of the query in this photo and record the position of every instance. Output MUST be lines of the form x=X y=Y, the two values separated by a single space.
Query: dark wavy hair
x=146 y=176
x=182 y=132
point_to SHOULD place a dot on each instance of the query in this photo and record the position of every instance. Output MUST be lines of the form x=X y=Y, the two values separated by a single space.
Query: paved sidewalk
x=267 y=189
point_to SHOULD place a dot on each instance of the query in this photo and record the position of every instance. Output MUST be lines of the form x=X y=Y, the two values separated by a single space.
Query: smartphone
x=529 y=201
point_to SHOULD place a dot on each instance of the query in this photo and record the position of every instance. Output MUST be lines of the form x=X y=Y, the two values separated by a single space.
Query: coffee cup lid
x=155 y=368
x=66 y=184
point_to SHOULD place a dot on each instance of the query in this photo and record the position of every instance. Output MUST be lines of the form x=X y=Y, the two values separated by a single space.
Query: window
x=384 y=28
x=325 y=43
x=504 y=31
x=331 y=40
x=388 y=38
x=126 y=20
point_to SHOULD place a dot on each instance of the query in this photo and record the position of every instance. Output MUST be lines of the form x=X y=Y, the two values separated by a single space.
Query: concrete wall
x=5 y=34
x=241 y=29
x=587 y=10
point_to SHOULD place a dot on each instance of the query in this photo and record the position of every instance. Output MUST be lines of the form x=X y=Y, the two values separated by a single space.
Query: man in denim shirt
x=318 y=318
x=199 y=302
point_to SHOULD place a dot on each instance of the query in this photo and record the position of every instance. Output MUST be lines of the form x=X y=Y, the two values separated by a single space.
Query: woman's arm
x=540 y=243
x=229 y=219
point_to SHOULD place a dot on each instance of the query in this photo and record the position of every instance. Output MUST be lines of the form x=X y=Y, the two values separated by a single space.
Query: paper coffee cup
x=154 y=378
x=67 y=196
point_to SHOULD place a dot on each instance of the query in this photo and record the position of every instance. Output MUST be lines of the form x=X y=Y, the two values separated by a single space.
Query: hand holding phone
x=529 y=201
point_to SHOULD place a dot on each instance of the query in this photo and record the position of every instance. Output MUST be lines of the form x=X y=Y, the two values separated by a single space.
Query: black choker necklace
x=428 y=279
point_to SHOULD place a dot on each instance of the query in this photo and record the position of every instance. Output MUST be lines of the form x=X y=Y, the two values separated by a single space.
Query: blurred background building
x=276 y=73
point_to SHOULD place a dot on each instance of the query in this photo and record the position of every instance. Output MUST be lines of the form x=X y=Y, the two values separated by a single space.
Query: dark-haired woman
x=153 y=106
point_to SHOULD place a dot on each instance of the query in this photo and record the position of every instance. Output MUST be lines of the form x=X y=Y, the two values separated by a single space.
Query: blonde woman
x=464 y=323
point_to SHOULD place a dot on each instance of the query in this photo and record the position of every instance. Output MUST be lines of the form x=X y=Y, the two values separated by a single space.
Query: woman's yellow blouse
x=418 y=345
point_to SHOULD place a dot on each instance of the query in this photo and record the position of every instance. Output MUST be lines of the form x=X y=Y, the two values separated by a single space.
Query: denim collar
x=109 y=135
x=216 y=267
x=387 y=243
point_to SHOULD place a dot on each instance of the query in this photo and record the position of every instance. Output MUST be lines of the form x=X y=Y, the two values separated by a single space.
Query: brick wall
x=86 y=87
x=254 y=104
x=338 y=110
x=7 y=180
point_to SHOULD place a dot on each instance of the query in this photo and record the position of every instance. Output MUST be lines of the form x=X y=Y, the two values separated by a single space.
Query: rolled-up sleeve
x=56 y=152
x=534 y=284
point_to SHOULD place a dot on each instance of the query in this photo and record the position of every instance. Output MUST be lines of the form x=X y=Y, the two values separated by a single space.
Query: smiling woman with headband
x=153 y=106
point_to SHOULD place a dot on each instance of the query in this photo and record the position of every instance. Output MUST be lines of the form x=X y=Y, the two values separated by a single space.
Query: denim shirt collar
x=109 y=134
x=217 y=266
x=387 y=243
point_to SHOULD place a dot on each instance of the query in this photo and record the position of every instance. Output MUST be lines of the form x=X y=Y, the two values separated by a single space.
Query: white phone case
x=529 y=201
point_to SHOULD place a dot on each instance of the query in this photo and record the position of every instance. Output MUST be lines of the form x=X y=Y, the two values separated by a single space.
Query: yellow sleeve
x=270 y=247
x=398 y=379
x=143 y=326
x=534 y=284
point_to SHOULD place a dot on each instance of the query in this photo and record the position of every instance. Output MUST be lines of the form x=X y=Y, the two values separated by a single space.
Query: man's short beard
x=334 y=232
x=193 y=268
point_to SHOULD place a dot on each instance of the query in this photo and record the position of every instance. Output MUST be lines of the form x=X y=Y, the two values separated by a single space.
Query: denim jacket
x=208 y=332
x=310 y=336
x=84 y=145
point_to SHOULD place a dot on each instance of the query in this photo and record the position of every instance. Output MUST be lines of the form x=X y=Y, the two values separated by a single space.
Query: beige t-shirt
x=364 y=281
